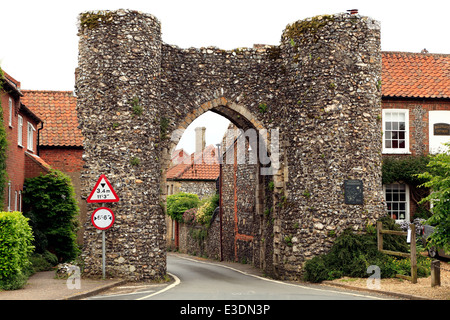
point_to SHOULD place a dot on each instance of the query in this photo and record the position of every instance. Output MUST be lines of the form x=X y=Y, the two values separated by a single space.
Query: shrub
x=351 y=255
x=178 y=203
x=16 y=247
x=53 y=210
x=206 y=210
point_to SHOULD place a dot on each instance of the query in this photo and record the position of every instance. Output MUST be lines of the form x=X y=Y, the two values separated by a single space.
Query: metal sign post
x=103 y=218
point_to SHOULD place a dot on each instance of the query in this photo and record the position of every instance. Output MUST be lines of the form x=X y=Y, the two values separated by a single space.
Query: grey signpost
x=103 y=218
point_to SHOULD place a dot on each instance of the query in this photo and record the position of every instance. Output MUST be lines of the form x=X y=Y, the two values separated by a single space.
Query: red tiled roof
x=39 y=161
x=418 y=75
x=193 y=172
x=202 y=166
x=58 y=111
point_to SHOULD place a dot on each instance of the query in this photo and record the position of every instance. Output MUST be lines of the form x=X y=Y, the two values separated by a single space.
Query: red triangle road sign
x=103 y=191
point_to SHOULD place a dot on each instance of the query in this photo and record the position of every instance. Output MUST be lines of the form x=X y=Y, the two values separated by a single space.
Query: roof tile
x=58 y=111
x=415 y=75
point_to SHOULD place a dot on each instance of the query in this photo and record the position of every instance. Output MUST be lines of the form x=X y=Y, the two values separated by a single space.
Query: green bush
x=206 y=210
x=351 y=255
x=53 y=210
x=16 y=247
x=178 y=203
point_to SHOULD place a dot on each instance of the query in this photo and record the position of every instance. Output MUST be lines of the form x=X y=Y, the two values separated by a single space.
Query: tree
x=437 y=179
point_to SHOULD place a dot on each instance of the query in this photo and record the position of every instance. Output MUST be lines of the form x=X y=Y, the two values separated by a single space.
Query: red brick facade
x=22 y=128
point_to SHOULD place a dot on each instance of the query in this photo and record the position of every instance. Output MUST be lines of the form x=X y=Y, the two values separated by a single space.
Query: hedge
x=16 y=247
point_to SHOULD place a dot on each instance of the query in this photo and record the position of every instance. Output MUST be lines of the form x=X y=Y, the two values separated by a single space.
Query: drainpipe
x=38 y=136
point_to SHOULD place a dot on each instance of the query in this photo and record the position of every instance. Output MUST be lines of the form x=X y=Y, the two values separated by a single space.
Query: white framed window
x=396 y=131
x=10 y=109
x=20 y=200
x=19 y=130
x=9 y=196
x=397 y=201
x=16 y=198
x=30 y=136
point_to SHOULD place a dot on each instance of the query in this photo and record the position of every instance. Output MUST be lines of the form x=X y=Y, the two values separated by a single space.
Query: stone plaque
x=353 y=191
x=441 y=129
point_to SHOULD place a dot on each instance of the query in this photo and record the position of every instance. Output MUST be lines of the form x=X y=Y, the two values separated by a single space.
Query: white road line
x=280 y=282
x=177 y=282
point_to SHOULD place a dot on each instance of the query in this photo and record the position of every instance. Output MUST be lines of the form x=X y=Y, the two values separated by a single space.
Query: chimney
x=200 y=139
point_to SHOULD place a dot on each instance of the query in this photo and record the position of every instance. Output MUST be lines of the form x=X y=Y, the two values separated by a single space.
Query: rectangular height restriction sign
x=103 y=191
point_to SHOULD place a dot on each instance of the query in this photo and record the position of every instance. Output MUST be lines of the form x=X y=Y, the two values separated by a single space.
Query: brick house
x=415 y=115
x=22 y=129
x=60 y=140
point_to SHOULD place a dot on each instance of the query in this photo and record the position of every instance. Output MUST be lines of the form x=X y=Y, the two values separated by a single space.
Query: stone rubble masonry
x=319 y=88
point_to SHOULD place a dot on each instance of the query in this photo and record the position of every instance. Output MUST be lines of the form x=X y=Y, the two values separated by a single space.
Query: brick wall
x=64 y=159
x=16 y=159
x=418 y=120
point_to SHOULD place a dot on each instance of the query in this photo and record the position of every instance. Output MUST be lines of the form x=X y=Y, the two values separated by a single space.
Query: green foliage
x=404 y=169
x=137 y=108
x=178 y=203
x=206 y=210
x=16 y=247
x=262 y=107
x=438 y=180
x=53 y=212
x=351 y=255
x=3 y=145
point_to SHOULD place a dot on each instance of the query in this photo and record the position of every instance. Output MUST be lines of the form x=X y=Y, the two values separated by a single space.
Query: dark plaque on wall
x=353 y=191
x=441 y=129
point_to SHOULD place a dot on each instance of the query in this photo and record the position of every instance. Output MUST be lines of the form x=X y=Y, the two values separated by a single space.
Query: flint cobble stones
x=320 y=88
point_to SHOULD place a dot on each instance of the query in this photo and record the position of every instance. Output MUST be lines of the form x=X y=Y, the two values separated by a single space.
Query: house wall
x=418 y=119
x=15 y=161
x=420 y=133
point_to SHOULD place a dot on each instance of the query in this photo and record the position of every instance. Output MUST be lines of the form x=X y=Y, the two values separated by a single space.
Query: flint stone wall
x=320 y=88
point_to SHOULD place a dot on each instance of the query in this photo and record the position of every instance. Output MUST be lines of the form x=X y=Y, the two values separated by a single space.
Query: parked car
x=432 y=252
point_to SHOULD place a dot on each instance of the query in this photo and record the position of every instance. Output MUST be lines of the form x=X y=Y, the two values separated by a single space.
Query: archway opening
x=220 y=153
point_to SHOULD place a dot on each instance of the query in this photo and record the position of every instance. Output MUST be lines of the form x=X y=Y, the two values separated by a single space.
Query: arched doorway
x=243 y=227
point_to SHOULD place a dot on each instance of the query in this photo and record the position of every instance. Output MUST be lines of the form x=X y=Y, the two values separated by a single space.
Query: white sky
x=39 y=40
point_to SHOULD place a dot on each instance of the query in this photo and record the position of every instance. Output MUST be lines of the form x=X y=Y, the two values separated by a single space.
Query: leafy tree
x=53 y=210
x=178 y=203
x=438 y=180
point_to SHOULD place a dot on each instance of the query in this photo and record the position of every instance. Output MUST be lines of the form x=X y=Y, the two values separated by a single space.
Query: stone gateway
x=319 y=90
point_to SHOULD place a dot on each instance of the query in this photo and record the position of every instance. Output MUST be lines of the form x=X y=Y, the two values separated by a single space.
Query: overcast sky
x=39 y=38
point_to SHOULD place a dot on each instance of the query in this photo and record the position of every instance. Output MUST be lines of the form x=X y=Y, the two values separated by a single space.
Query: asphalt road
x=206 y=280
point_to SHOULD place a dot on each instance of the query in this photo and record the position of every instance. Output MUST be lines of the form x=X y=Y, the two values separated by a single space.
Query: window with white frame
x=19 y=130
x=10 y=109
x=30 y=136
x=395 y=131
x=9 y=196
x=397 y=200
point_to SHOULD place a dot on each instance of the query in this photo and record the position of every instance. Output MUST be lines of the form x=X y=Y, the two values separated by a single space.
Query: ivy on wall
x=404 y=169
x=3 y=146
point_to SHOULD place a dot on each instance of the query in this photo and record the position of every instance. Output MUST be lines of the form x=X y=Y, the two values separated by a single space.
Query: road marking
x=177 y=282
x=281 y=282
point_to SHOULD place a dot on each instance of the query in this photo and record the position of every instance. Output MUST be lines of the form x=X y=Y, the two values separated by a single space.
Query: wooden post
x=435 y=273
x=379 y=235
x=413 y=254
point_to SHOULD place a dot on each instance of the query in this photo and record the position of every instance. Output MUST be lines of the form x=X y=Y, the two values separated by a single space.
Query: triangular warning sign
x=103 y=191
